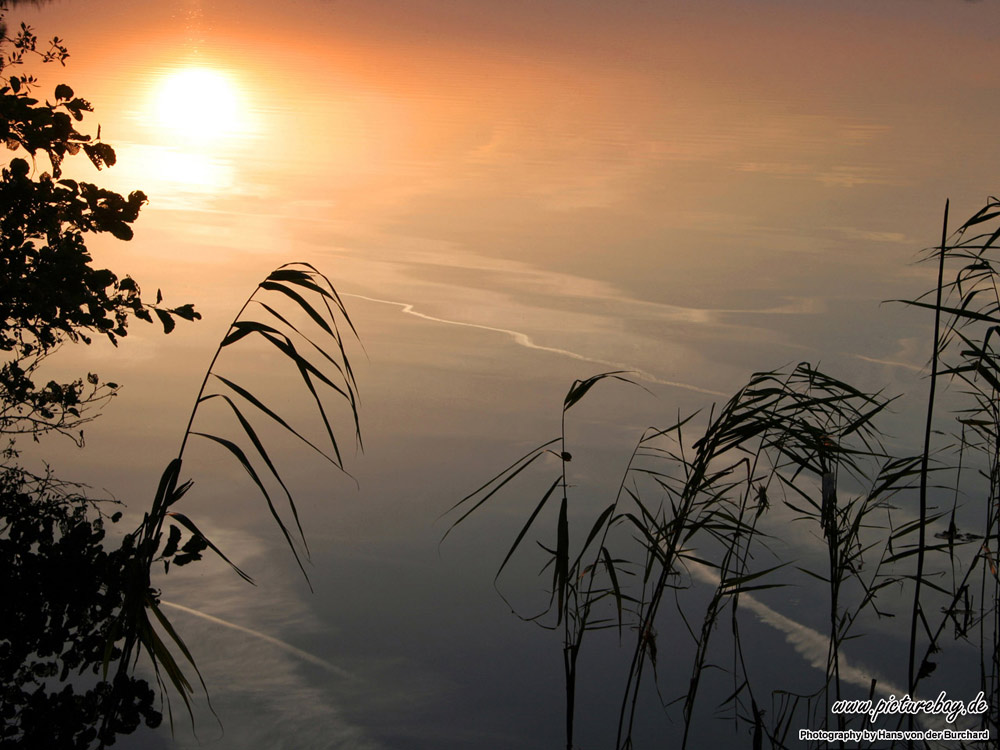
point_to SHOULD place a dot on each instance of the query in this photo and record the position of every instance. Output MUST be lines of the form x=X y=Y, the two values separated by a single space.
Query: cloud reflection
x=297 y=652
x=261 y=686
x=810 y=644
x=522 y=339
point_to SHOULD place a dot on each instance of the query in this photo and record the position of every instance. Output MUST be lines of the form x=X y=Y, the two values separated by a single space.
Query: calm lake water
x=511 y=196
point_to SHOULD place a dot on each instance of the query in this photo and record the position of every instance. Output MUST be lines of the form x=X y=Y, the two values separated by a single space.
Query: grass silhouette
x=800 y=439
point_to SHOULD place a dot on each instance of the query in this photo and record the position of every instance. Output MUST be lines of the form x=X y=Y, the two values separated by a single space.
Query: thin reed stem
x=913 y=675
x=208 y=373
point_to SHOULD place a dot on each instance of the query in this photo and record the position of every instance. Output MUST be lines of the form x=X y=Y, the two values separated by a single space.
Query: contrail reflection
x=298 y=652
x=810 y=644
x=522 y=339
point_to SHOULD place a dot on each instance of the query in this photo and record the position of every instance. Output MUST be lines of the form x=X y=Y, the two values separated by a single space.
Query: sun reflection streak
x=196 y=127
x=201 y=105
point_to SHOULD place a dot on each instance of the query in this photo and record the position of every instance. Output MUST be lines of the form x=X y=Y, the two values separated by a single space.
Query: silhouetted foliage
x=63 y=588
x=51 y=291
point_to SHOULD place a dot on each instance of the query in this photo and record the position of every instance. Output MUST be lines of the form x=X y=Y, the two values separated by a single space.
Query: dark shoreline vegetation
x=72 y=608
x=699 y=510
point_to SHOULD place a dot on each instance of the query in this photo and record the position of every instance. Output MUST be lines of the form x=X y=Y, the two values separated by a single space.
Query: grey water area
x=403 y=642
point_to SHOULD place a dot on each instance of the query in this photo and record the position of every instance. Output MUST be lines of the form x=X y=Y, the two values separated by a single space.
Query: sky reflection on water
x=513 y=196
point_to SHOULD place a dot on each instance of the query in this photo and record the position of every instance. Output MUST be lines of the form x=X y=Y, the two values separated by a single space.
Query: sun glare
x=200 y=104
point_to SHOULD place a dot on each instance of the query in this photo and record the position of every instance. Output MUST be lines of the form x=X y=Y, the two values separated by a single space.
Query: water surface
x=511 y=196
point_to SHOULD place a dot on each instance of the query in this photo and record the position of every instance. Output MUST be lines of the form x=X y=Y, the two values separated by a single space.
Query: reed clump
x=297 y=311
x=705 y=507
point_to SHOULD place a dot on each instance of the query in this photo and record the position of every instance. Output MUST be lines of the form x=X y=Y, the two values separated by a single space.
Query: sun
x=200 y=104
